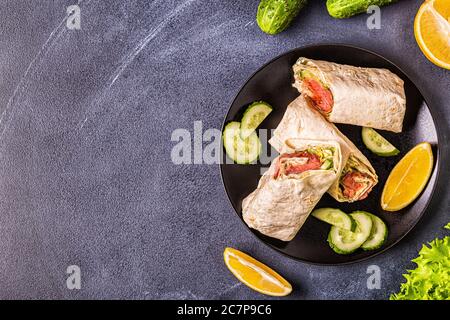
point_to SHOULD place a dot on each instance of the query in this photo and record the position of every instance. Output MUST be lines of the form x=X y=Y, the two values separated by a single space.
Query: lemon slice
x=408 y=178
x=432 y=31
x=255 y=275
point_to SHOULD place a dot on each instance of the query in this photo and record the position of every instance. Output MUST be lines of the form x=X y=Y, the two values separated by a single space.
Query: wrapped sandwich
x=291 y=187
x=365 y=97
x=356 y=176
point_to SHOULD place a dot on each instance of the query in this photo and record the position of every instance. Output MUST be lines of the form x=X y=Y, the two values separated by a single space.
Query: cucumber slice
x=253 y=116
x=335 y=217
x=345 y=242
x=377 y=236
x=377 y=144
x=307 y=74
x=239 y=150
x=326 y=164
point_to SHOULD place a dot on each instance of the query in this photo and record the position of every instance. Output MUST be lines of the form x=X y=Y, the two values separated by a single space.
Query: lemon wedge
x=255 y=274
x=432 y=31
x=408 y=178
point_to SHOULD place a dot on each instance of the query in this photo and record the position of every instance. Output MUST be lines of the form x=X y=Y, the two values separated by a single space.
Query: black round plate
x=273 y=83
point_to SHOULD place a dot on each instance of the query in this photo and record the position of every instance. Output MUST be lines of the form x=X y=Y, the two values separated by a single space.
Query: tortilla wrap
x=367 y=97
x=301 y=121
x=279 y=206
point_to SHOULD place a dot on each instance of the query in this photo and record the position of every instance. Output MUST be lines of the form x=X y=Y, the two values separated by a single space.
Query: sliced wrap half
x=356 y=176
x=291 y=187
x=367 y=97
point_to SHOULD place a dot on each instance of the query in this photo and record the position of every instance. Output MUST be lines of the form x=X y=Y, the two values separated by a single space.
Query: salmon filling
x=296 y=163
x=320 y=96
x=353 y=183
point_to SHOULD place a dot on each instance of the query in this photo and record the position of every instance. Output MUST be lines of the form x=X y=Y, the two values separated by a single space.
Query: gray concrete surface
x=85 y=170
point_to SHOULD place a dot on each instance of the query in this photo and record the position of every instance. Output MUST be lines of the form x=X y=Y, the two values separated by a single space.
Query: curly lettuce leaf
x=431 y=279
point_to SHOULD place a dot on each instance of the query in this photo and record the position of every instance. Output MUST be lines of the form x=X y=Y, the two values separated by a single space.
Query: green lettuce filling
x=350 y=166
x=325 y=155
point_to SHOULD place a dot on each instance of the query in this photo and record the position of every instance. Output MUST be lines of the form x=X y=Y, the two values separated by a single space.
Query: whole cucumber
x=346 y=8
x=275 y=16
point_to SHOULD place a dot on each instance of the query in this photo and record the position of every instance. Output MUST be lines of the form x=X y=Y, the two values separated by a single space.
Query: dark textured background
x=85 y=170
